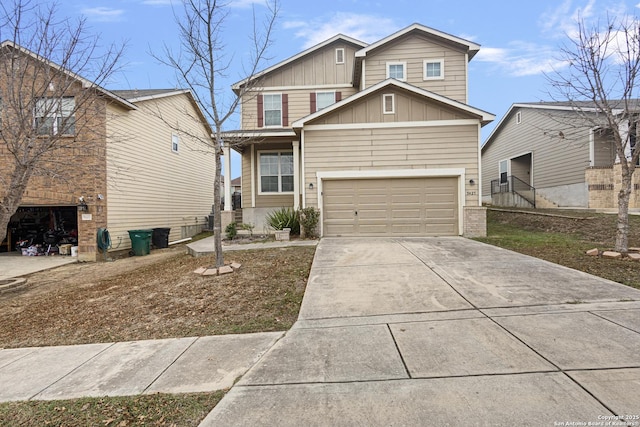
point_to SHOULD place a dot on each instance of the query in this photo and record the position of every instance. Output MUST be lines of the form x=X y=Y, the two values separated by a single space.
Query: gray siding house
x=544 y=155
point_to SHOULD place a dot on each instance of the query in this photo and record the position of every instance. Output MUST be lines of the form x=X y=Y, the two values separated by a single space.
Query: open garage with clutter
x=43 y=230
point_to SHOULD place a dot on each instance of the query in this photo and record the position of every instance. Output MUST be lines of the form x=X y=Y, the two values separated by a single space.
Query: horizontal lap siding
x=299 y=104
x=414 y=49
x=149 y=185
x=556 y=160
x=317 y=71
x=396 y=148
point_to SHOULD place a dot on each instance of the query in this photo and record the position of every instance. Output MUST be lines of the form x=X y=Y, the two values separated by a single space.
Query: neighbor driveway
x=446 y=331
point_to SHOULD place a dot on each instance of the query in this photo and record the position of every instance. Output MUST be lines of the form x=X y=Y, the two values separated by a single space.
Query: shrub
x=231 y=230
x=309 y=218
x=248 y=227
x=284 y=218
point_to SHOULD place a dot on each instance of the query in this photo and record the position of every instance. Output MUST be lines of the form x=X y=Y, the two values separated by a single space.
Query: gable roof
x=484 y=116
x=470 y=47
x=85 y=82
x=137 y=95
x=585 y=106
x=339 y=37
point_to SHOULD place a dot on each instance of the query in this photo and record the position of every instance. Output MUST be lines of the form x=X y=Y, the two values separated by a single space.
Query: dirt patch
x=156 y=296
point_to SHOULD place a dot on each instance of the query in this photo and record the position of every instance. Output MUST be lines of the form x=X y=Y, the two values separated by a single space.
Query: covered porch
x=271 y=162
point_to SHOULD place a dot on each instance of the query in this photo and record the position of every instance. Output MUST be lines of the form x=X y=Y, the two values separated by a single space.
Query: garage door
x=390 y=207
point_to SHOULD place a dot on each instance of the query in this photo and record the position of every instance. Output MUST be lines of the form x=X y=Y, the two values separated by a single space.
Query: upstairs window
x=434 y=69
x=324 y=99
x=55 y=116
x=397 y=70
x=272 y=110
x=276 y=172
x=340 y=56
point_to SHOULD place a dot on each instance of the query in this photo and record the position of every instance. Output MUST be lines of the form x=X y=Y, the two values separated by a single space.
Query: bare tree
x=600 y=83
x=44 y=60
x=202 y=65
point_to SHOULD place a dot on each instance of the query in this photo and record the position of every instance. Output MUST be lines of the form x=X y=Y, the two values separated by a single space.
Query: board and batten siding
x=149 y=185
x=560 y=153
x=299 y=103
x=414 y=49
x=411 y=147
x=408 y=108
x=317 y=68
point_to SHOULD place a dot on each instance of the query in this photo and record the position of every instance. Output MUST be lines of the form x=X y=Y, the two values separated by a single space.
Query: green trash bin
x=140 y=242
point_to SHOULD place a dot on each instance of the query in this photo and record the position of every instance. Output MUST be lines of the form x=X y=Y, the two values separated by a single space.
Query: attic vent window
x=518 y=117
x=388 y=103
x=340 y=56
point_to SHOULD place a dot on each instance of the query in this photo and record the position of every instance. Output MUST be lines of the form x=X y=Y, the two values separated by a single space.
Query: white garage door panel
x=390 y=207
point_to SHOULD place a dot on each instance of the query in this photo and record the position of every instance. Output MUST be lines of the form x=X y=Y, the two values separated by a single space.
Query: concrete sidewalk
x=446 y=331
x=180 y=365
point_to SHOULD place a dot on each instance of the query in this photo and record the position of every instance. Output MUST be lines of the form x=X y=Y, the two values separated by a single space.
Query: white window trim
x=325 y=91
x=393 y=103
x=340 y=49
x=519 y=117
x=175 y=143
x=433 y=61
x=264 y=112
x=404 y=68
x=259 y=175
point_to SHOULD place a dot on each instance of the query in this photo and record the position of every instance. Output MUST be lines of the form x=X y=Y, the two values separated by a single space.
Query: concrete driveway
x=13 y=264
x=446 y=331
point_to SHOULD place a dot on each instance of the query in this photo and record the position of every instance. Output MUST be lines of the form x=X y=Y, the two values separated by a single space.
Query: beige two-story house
x=379 y=137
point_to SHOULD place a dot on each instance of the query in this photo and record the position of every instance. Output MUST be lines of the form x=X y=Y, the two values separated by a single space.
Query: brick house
x=119 y=165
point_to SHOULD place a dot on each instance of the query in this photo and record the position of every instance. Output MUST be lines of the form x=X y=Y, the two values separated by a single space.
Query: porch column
x=296 y=175
x=227 y=178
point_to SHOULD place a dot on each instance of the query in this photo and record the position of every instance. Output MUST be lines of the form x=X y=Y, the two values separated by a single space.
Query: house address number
x=471 y=193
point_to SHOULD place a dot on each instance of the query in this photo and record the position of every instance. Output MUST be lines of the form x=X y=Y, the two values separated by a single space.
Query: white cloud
x=367 y=28
x=103 y=14
x=521 y=59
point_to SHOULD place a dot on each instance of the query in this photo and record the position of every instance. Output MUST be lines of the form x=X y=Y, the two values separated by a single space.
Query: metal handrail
x=513 y=184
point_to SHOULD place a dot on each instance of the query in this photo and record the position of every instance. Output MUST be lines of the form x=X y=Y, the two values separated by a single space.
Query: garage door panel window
x=276 y=172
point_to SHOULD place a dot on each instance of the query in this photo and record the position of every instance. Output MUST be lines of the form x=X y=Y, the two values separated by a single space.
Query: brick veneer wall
x=77 y=168
x=475 y=221
x=604 y=185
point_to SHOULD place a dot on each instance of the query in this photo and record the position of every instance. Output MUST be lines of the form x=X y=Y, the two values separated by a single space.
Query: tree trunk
x=622 y=227
x=217 y=211
x=11 y=199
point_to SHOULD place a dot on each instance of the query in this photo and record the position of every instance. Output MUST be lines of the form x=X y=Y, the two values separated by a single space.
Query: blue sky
x=519 y=40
